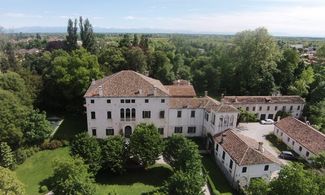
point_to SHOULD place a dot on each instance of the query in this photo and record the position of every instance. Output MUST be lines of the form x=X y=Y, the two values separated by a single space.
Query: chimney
x=93 y=82
x=260 y=147
x=222 y=138
x=100 y=90
x=279 y=118
x=205 y=93
x=140 y=91
x=222 y=95
x=146 y=73
x=154 y=91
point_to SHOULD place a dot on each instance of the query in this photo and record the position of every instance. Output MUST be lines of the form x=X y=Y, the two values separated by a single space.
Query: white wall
x=294 y=146
x=218 y=127
x=294 y=112
x=235 y=174
x=101 y=123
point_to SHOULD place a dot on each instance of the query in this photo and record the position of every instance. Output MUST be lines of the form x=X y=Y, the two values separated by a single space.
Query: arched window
x=225 y=121
x=220 y=121
x=122 y=113
x=128 y=113
x=231 y=122
x=133 y=113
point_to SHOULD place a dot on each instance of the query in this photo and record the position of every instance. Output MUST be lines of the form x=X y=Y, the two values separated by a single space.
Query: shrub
x=43 y=189
x=51 y=145
x=23 y=153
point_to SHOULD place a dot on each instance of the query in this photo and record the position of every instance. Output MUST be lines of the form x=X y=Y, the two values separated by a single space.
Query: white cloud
x=20 y=15
x=129 y=18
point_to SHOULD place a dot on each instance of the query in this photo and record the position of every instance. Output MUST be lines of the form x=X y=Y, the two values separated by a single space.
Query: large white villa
x=117 y=103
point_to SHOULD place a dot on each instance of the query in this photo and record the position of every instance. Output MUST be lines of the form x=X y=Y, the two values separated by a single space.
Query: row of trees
x=112 y=154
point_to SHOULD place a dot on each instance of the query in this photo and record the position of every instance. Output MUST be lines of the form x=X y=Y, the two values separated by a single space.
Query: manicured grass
x=133 y=182
x=39 y=167
x=217 y=176
x=72 y=125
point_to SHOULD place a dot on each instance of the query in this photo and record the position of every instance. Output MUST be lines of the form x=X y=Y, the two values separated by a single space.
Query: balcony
x=127 y=119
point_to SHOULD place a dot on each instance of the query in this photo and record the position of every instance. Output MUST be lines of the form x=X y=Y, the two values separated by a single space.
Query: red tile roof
x=243 y=150
x=304 y=134
x=263 y=99
x=181 y=90
x=206 y=103
x=127 y=83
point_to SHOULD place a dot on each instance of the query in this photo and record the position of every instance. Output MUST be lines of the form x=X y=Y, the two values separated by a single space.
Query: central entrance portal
x=127 y=131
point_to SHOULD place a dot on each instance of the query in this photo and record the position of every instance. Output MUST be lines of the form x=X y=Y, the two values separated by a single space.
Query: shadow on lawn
x=154 y=176
x=71 y=125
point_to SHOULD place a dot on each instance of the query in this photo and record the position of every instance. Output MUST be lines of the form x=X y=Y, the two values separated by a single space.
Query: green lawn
x=277 y=143
x=72 y=125
x=135 y=181
x=39 y=167
x=217 y=176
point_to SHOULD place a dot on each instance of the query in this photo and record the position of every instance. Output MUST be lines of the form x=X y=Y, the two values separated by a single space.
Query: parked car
x=287 y=155
x=267 y=122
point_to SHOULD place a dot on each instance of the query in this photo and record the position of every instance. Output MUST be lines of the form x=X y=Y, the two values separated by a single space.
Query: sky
x=280 y=17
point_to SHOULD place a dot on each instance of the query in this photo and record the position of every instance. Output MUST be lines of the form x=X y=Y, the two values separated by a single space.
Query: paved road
x=258 y=132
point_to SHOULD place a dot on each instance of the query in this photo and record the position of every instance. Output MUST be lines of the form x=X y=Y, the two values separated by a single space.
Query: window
x=223 y=155
x=217 y=147
x=133 y=113
x=109 y=115
x=122 y=113
x=268 y=108
x=277 y=131
x=207 y=116
x=298 y=108
x=293 y=143
x=193 y=114
x=92 y=101
x=109 y=131
x=178 y=129
x=284 y=108
x=276 y=108
x=133 y=100
x=254 y=108
x=291 y=107
x=108 y=101
x=127 y=113
x=230 y=164
x=281 y=133
x=146 y=101
x=266 y=167
x=94 y=133
x=93 y=115
x=161 y=131
x=307 y=153
x=162 y=100
x=191 y=130
x=122 y=101
x=260 y=108
x=146 y=114
x=288 y=139
x=247 y=108
x=300 y=148
x=162 y=114
x=127 y=101
x=244 y=170
x=179 y=114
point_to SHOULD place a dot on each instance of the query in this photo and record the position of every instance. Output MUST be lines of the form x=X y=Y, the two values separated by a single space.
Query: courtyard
x=260 y=133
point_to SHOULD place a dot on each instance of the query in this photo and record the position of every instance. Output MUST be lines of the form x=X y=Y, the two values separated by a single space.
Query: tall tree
x=136 y=59
x=144 y=42
x=88 y=149
x=71 y=177
x=87 y=35
x=72 y=37
x=256 y=54
x=145 y=144
x=135 y=41
x=161 y=67
x=114 y=154
x=6 y=156
x=9 y=183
